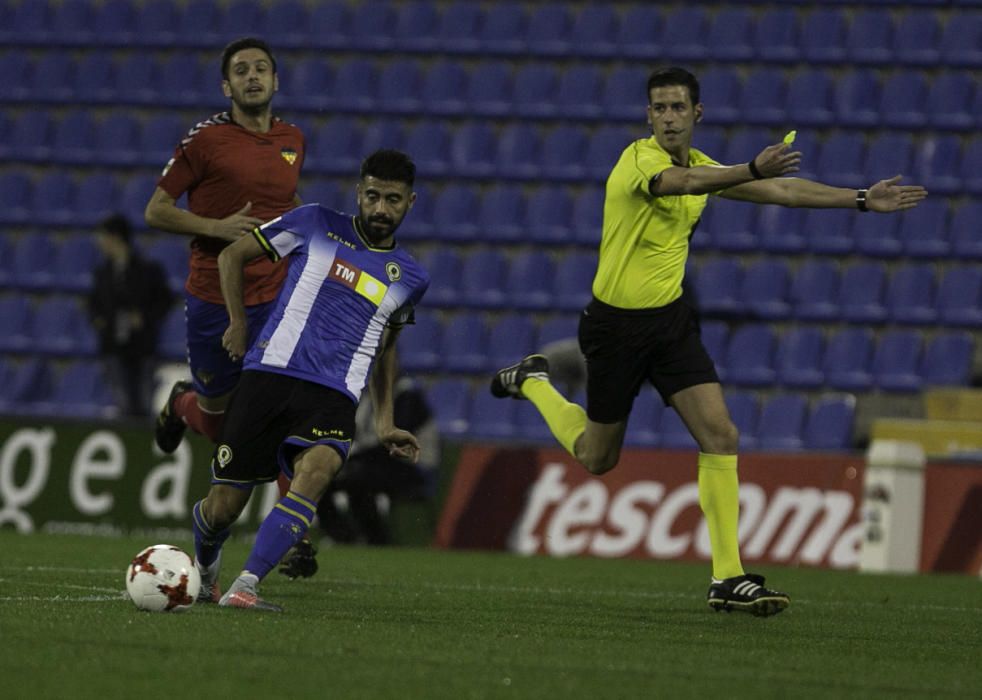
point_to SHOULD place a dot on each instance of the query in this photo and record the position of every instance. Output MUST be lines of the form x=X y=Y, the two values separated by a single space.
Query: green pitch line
x=410 y=623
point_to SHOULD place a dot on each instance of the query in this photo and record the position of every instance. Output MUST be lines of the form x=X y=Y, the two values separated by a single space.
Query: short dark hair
x=673 y=75
x=389 y=164
x=247 y=42
x=117 y=225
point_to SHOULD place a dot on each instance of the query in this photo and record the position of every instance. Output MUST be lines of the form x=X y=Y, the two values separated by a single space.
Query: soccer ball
x=162 y=578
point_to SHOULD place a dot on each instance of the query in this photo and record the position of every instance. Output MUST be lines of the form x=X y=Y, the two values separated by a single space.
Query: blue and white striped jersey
x=338 y=296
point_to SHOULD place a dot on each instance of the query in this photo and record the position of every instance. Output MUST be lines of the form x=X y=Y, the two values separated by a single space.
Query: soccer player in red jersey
x=239 y=169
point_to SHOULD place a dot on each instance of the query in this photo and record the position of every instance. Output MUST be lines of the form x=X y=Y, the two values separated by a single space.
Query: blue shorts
x=212 y=371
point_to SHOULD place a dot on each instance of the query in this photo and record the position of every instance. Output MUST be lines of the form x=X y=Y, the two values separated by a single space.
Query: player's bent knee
x=722 y=439
x=223 y=505
x=315 y=467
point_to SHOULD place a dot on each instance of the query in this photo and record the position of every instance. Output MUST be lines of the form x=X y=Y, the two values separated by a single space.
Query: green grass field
x=411 y=623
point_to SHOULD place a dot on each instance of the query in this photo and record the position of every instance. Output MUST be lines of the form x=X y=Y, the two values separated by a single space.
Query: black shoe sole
x=762 y=607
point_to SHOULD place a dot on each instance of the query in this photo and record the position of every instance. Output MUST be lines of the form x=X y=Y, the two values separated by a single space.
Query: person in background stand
x=127 y=304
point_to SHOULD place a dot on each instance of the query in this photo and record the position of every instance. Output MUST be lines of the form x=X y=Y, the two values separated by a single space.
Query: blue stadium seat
x=961 y=40
x=830 y=423
x=959 y=298
x=730 y=35
x=83 y=390
x=776 y=38
x=621 y=89
x=415 y=26
x=444 y=266
x=842 y=159
x=7 y=270
x=815 y=290
x=72 y=138
x=309 y=84
x=897 y=360
x=823 y=36
x=133 y=198
x=28 y=390
x=535 y=90
x=289 y=25
x=172 y=343
x=674 y=434
x=829 y=231
x=924 y=229
x=117 y=140
x=732 y=225
x=562 y=153
x=951 y=97
x=744 y=409
x=780 y=229
x=557 y=328
x=444 y=87
x=810 y=99
x=937 y=163
x=417 y=226
x=720 y=89
x=16 y=191
x=519 y=148
x=159 y=137
x=419 y=346
x=902 y=101
x=241 y=17
x=453 y=213
x=910 y=294
x=606 y=144
x=335 y=148
x=574 y=280
x=60 y=327
x=861 y=292
x=400 y=84
x=948 y=360
x=198 y=24
x=594 y=32
x=548 y=32
x=156 y=23
x=383 y=132
x=429 y=144
x=172 y=252
x=687 y=39
x=26 y=24
x=764 y=289
x=74 y=262
x=642 y=424
x=530 y=425
x=715 y=335
x=848 y=356
x=745 y=143
x=53 y=199
x=717 y=284
x=19 y=87
x=857 y=98
x=473 y=150
x=549 y=215
x=115 y=23
x=501 y=215
x=916 y=39
x=356 y=86
x=529 y=281
x=640 y=32
x=489 y=89
x=965 y=233
x=799 y=358
x=28 y=138
x=32 y=261
x=95 y=79
x=510 y=338
x=458 y=29
x=465 y=344
x=96 y=197
x=492 y=418
x=869 y=37
x=749 y=357
x=878 y=235
x=179 y=79
x=503 y=29
x=588 y=208
x=782 y=422
x=53 y=78
x=71 y=23
x=483 y=280
x=16 y=322
x=764 y=97
x=579 y=92
x=450 y=398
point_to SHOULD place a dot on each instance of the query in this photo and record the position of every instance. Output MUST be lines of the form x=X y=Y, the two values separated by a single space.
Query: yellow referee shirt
x=645 y=239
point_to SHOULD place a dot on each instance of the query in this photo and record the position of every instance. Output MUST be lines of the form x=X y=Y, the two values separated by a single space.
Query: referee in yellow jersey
x=637 y=328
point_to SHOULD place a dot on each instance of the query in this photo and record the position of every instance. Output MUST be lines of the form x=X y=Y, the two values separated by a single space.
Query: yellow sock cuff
x=711 y=461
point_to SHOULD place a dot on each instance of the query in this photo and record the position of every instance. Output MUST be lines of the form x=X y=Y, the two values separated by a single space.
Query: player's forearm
x=701 y=179
x=230 y=264
x=793 y=192
x=171 y=218
x=381 y=390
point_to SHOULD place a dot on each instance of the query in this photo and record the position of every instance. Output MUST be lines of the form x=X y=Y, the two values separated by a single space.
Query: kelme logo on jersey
x=350 y=276
x=393 y=271
x=289 y=155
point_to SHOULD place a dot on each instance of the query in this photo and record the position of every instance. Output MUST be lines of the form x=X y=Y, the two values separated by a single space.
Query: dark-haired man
x=638 y=329
x=349 y=291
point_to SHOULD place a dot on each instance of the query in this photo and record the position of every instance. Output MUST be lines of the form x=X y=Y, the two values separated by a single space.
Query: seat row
x=851 y=358
x=767 y=95
x=784 y=421
x=693 y=31
x=38 y=387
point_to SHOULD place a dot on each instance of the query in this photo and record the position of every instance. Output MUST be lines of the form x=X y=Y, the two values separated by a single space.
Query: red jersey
x=221 y=166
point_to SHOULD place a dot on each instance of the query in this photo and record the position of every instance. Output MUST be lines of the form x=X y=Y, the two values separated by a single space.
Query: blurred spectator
x=371 y=472
x=127 y=303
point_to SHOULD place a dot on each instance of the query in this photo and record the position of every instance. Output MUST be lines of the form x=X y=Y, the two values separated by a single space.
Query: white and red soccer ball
x=163 y=578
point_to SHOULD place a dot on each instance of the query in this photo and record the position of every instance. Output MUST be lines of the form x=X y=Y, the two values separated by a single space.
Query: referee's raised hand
x=888 y=195
x=776 y=160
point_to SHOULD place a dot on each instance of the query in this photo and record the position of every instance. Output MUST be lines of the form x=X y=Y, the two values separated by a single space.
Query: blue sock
x=285 y=525
x=207 y=541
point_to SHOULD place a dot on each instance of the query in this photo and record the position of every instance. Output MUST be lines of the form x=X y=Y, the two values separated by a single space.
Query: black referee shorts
x=273 y=417
x=624 y=347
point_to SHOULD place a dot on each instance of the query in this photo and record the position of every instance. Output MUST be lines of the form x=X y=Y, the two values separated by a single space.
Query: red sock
x=207 y=424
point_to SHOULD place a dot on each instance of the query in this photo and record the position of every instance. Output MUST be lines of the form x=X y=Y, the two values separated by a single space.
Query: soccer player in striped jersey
x=349 y=291
x=638 y=329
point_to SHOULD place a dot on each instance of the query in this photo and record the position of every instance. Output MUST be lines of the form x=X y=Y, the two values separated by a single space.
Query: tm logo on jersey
x=363 y=283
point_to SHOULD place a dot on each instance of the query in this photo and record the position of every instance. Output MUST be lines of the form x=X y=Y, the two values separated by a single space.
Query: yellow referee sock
x=719 y=498
x=566 y=420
